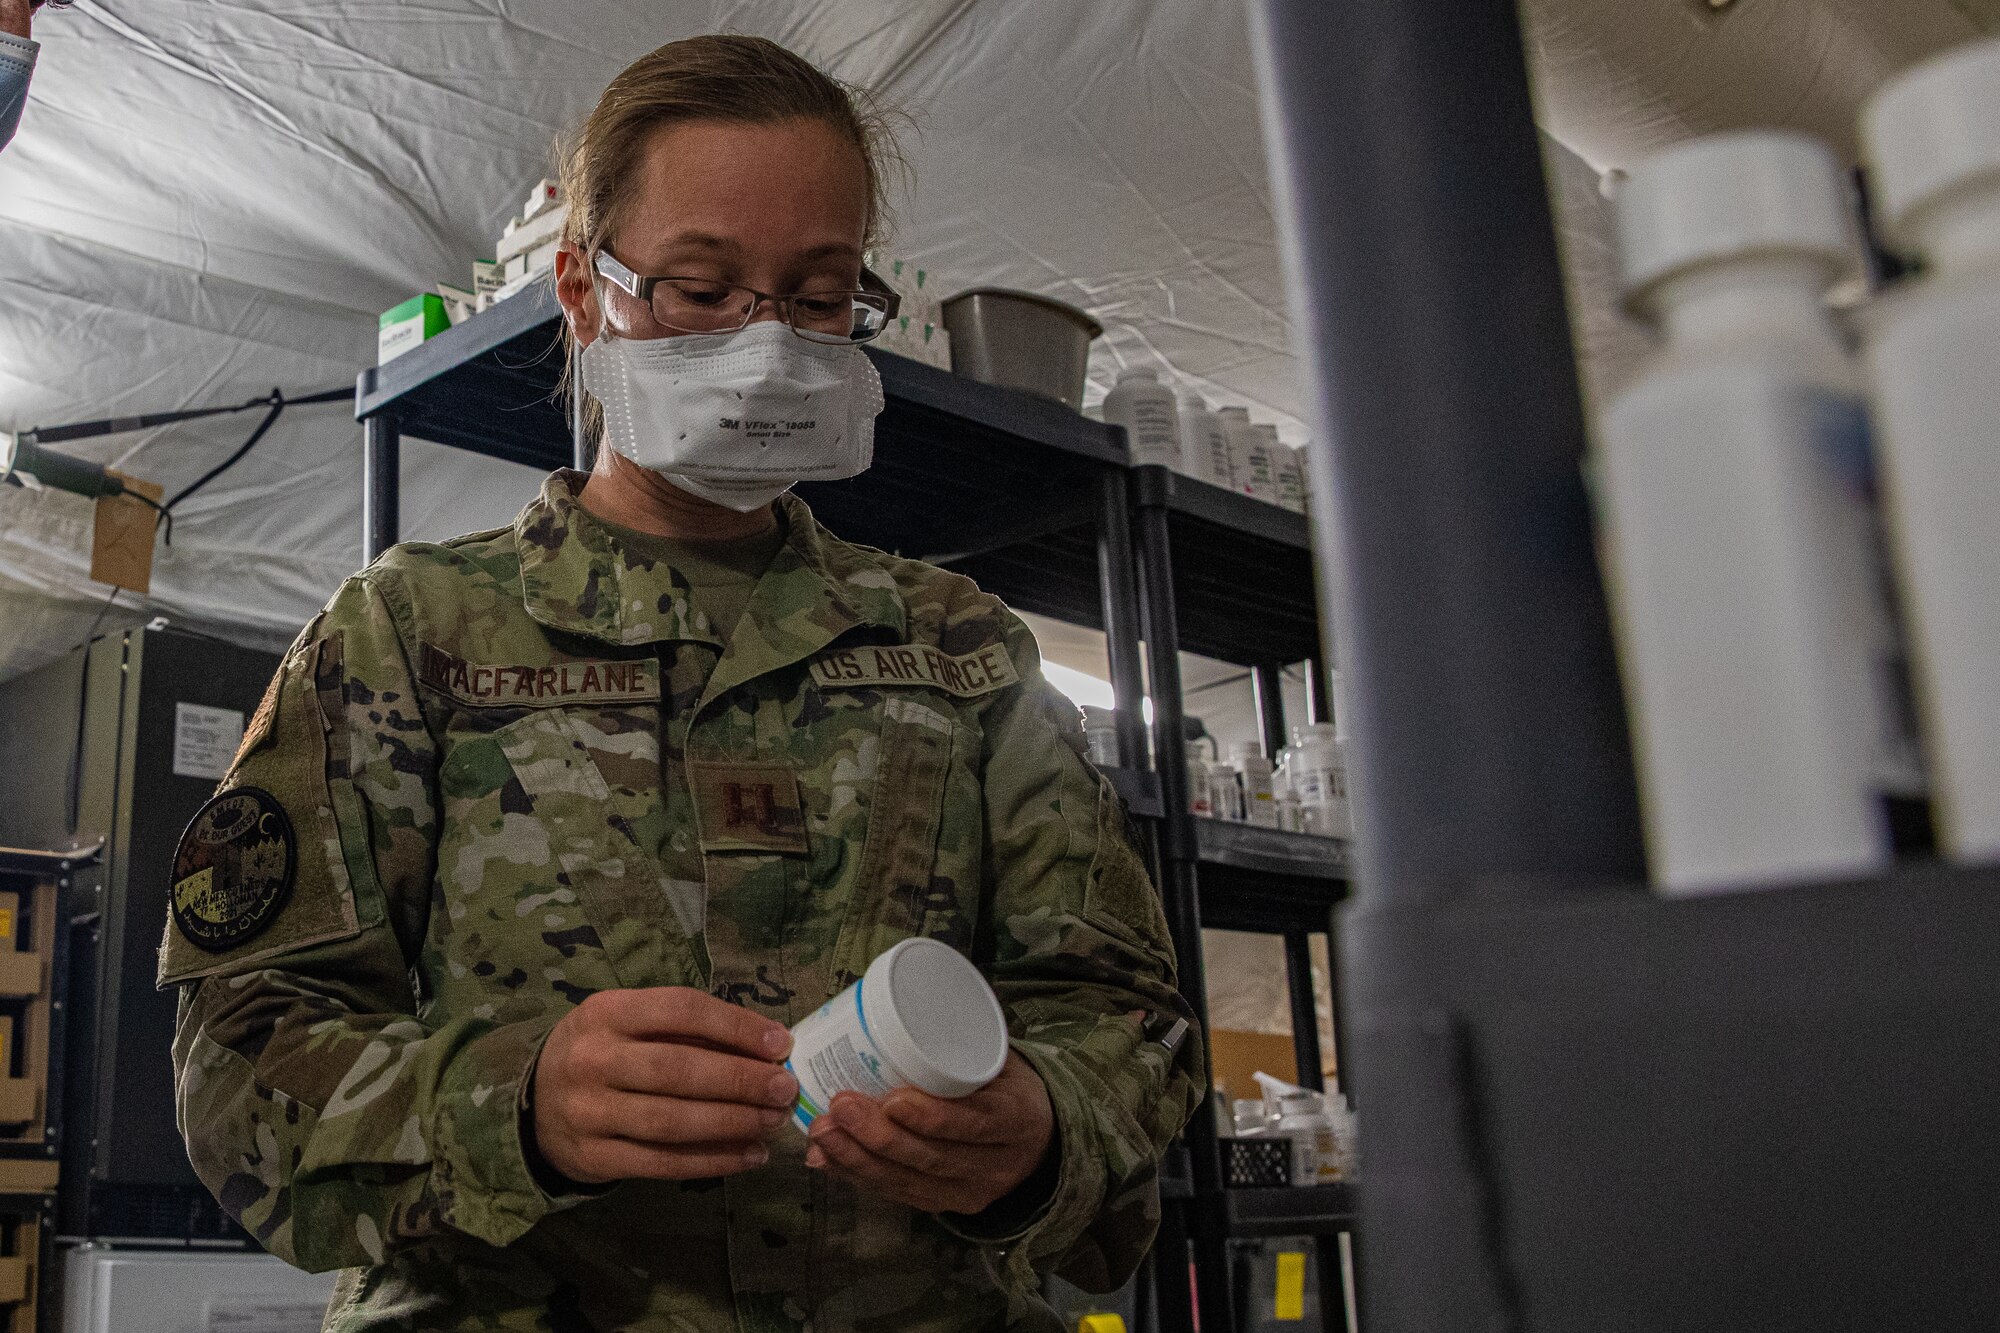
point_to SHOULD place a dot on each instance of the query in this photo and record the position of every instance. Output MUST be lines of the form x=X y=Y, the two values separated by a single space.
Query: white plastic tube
x=921 y=1017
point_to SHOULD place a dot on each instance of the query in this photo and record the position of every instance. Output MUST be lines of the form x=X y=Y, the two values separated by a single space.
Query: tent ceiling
x=208 y=199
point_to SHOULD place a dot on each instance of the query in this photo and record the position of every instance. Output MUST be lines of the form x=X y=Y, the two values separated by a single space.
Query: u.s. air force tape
x=967 y=676
x=233 y=870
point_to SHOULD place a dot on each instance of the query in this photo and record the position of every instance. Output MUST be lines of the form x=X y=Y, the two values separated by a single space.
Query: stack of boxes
x=526 y=251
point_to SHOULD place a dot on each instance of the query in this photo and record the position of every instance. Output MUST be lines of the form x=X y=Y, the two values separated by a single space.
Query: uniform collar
x=576 y=578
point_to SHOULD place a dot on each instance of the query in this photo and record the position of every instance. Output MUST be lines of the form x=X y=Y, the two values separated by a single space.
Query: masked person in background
x=543 y=837
x=17 y=62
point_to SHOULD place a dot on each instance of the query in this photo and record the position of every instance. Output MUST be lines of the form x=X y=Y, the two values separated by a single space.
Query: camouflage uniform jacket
x=501 y=773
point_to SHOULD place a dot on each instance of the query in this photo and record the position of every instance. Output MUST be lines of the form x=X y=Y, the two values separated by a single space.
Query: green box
x=408 y=325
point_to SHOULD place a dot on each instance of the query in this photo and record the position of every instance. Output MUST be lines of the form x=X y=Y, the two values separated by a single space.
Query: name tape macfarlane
x=966 y=676
x=562 y=682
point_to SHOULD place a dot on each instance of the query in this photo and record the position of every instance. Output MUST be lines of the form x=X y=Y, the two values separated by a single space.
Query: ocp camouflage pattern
x=476 y=855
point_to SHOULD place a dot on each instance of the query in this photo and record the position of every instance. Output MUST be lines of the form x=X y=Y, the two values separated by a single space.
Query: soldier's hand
x=667 y=1082
x=937 y=1155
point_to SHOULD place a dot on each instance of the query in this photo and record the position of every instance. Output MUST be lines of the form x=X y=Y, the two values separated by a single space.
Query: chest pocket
x=908 y=882
x=586 y=775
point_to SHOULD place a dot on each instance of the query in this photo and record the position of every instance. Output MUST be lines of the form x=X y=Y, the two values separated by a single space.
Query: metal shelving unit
x=1036 y=503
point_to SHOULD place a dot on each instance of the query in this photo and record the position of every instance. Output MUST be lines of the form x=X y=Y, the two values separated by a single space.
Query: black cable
x=277 y=409
x=84 y=430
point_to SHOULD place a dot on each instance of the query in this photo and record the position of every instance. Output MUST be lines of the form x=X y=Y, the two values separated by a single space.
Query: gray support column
x=1487 y=736
x=1489 y=729
x=381 y=485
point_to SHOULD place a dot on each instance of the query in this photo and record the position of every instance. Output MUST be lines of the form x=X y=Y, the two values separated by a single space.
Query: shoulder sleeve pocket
x=260 y=871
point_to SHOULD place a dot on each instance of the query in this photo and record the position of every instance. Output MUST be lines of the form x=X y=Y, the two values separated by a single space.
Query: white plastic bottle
x=1201 y=791
x=920 y=1016
x=1145 y=408
x=1732 y=481
x=1271 y=454
x=1291 y=814
x=1289 y=469
x=1204 y=444
x=1260 y=797
x=1236 y=430
x=1932 y=139
x=1319 y=772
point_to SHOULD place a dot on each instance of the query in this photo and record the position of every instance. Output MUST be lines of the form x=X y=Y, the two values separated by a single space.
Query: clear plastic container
x=1318 y=768
x=921 y=1016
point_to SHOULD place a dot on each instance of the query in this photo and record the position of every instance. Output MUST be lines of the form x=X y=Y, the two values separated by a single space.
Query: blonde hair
x=718 y=77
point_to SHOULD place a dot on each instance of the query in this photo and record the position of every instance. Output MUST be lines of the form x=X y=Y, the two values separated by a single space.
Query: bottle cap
x=942 y=1027
x=1137 y=374
x=1932 y=133
x=1730 y=196
x=1233 y=413
x=1193 y=402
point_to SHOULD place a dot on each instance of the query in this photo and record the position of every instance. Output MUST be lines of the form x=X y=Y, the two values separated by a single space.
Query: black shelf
x=1242 y=571
x=1226 y=844
x=1139 y=790
x=1300 y=1210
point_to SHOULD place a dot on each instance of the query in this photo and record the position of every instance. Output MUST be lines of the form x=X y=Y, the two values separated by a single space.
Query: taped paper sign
x=205 y=740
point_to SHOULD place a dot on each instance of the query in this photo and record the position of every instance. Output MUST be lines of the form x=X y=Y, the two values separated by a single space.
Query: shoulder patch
x=967 y=676
x=537 y=684
x=233 y=870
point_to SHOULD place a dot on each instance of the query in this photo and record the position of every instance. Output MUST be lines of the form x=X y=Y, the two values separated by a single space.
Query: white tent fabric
x=212 y=197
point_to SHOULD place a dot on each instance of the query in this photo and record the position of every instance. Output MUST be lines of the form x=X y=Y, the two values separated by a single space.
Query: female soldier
x=542 y=837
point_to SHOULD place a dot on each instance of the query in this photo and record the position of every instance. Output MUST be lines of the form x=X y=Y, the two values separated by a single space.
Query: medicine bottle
x=1145 y=408
x=1932 y=142
x=1733 y=485
x=1204 y=443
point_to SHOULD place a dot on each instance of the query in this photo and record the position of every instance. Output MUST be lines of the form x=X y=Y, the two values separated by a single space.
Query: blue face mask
x=17 y=62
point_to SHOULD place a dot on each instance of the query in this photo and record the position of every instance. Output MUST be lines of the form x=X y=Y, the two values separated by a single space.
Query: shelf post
x=1119 y=595
x=1152 y=485
x=1305 y=1007
x=381 y=485
x=1457 y=572
x=1267 y=685
x=1319 y=697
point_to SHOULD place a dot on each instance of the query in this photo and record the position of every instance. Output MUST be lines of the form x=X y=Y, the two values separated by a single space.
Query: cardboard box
x=459 y=304
x=13 y=1279
x=20 y=973
x=488 y=275
x=408 y=325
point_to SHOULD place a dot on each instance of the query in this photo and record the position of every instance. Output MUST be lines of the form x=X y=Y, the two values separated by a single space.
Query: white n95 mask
x=737 y=418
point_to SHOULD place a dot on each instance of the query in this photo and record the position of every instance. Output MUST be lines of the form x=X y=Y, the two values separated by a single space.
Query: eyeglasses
x=698 y=305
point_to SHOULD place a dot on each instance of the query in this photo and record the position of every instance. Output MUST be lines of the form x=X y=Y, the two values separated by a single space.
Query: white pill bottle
x=1932 y=347
x=1147 y=410
x=921 y=1017
x=1733 y=489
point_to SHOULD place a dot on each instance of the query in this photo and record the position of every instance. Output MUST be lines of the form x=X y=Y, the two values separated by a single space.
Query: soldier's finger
x=671 y=1069
x=870 y=1126
x=849 y=1161
x=667 y=1012
x=618 y=1159
x=966 y=1120
x=677 y=1121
